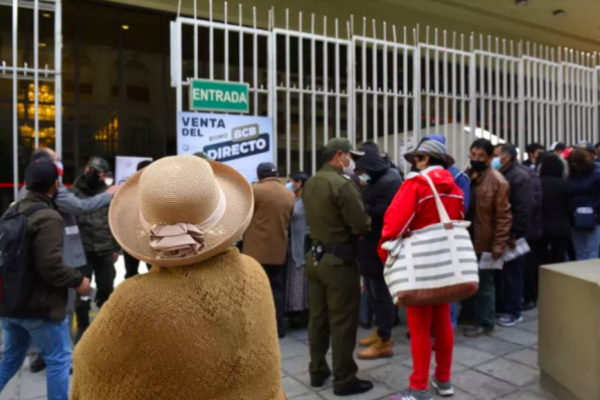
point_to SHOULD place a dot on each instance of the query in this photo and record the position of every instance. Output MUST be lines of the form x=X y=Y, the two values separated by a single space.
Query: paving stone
x=518 y=336
x=456 y=365
x=292 y=388
x=458 y=395
x=393 y=375
x=309 y=396
x=510 y=371
x=296 y=365
x=530 y=326
x=531 y=314
x=300 y=334
x=493 y=346
x=293 y=349
x=527 y=357
x=469 y=356
x=528 y=395
x=378 y=392
x=365 y=365
x=305 y=380
x=539 y=389
x=483 y=387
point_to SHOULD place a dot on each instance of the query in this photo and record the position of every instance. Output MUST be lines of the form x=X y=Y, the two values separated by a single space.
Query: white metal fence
x=373 y=84
x=20 y=70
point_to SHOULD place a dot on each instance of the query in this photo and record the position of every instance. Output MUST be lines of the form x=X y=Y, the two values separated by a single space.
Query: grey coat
x=70 y=206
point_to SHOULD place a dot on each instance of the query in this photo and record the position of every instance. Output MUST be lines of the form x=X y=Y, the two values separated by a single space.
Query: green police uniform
x=336 y=217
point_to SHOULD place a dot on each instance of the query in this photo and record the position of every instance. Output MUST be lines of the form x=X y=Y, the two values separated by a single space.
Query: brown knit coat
x=202 y=332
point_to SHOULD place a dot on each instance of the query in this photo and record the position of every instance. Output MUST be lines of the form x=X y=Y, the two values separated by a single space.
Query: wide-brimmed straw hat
x=432 y=148
x=181 y=210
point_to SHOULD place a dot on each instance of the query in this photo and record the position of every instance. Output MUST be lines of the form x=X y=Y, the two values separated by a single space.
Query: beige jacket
x=266 y=239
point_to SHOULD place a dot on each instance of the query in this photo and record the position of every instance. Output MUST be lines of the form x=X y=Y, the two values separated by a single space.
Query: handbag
x=433 y=265
x=584 y=219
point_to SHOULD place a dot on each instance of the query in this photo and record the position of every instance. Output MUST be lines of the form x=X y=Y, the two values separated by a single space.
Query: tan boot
x=366 y=342
x=379 y=349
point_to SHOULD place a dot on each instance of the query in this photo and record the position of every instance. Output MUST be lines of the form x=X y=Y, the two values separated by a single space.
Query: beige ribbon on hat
x=183 y=239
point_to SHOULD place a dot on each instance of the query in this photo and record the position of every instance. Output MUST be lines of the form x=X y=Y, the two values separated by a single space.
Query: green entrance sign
x=208 y=95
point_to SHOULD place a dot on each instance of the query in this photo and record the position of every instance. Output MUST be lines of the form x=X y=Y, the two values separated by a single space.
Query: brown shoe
x=379 y=349
x=366 y=342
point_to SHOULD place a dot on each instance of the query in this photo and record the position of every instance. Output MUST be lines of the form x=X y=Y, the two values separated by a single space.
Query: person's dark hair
x=485 y=145
x=552 y=165
x=143 y=164
x=328 y=155
x=580 y=162
x=38 y=154
x=533 y=147
x=541 y=157
x=370 y=145
x=433 y=161
x=299 y=177
x=510 y=150
x=597 y=145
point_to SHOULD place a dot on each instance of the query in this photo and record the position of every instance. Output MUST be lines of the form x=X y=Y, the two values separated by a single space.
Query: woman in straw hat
x=201 y=324
x=412 y=209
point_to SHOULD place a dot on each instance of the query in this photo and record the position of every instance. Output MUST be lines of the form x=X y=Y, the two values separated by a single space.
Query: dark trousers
x=509 y=288
x=382 y=303
x=132 y=265
x=334 y=301
x=553 y=250
x=531 y=272
x=275 y=274
x=102 y=267
x=484 y=301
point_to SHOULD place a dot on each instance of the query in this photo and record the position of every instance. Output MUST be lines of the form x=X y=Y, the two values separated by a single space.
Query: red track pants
x=421 y=319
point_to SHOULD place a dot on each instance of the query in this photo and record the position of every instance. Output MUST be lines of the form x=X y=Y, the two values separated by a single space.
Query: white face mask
x=349 y=169
x=109 y=181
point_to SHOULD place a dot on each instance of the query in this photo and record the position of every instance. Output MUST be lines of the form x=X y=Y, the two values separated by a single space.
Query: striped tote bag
x=433 y=265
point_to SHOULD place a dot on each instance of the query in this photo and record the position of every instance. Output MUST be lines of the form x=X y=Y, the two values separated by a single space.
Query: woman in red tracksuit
x=414 y=208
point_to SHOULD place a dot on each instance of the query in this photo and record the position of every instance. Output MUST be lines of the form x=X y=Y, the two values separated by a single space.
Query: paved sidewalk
x=500 y=367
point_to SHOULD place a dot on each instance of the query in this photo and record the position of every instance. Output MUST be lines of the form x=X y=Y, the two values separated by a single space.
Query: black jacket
x=48 y=277
x=377 y=196
x=535 y=229
x=96 y=235
x=521 y=199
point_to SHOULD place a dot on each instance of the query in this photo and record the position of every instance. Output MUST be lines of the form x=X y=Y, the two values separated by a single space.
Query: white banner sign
x=240 y=141
x=127 y=166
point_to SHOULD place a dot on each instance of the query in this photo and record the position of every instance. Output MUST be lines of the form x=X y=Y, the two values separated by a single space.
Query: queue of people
x=306 y=246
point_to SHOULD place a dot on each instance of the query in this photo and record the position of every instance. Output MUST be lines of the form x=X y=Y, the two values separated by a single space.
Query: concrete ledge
x=569 y=331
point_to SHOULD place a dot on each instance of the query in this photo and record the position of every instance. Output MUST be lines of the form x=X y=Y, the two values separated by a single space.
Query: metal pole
x=36 y=73
x=15 y=43
x=58 y=77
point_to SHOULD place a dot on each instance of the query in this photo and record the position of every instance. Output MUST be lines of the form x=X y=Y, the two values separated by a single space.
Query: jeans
x=485 y=300
x=421 y=321
x=382 y=303
x=454 y=314
x=275 y=274
x=54 y=342
x=509 y=288
x=586 y=243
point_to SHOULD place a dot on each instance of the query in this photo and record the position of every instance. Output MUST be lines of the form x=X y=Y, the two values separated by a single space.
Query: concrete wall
x=569 y=338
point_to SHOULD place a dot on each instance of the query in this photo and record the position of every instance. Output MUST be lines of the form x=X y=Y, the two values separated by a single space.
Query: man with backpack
x=34 y=281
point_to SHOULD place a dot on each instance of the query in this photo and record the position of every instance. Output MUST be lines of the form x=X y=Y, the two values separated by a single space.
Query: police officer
x=337 y=218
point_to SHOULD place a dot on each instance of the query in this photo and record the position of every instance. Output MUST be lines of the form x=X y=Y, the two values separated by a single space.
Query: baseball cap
x=344 y=145
x=558 y=146
x=99 y=164
x=266 y=168
x=586 y=146
x=41 y=175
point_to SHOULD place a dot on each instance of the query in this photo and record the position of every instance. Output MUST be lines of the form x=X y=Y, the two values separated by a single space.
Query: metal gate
x=378 y=87
x=19 y=70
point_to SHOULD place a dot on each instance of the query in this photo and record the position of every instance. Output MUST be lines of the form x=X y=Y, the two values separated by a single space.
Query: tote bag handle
x=444 y=217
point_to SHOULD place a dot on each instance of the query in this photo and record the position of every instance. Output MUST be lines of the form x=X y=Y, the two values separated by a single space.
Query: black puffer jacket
x=557 y=201
x=95 y=231
x=521 y=199
x=535 y=229
x=377 y=196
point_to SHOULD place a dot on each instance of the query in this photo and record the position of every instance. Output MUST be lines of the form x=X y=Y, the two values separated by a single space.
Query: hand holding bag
x=433 y=265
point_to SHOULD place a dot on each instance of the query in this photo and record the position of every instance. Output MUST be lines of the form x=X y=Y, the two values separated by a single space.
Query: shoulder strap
x=33 y=209
x=444 y=218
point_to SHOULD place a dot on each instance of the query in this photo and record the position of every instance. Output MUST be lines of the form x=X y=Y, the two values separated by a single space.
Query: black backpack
x=14 y=257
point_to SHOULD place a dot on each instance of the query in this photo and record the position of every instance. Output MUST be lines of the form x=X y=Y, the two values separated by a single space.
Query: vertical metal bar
x=489 y=87
x=196 y=36
x=473 y=89
x=554 y=108
x=58 y=77
x=547 y=101
x=396 y=93
x=227 y=52
x=497 y=97
x=211 y=40
x=417 y=95
x=313 y=78
x=255 y=61
x=437 y=84
x=325 y=85
x=338 y=116
x=351 y=81
x=579 y=95
x=427 y=85
x=595 y=77
x=505 y=97
x=521 y=86
x=446 y=111
x=241 y=46
x=301 y=95
x=272 y=88
x=453 y=119
x=529 y=97
x=375 y=89
x=560 y=100
x=36 y=73
x=567 y=72
x=463 y=95
x=364 y=82
x=15 y=55
x=288 y=106
x=385 y=91
x=514 y=96
x=482 y=91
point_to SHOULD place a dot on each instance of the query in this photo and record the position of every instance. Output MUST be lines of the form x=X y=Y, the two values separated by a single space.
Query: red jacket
x=414 y=207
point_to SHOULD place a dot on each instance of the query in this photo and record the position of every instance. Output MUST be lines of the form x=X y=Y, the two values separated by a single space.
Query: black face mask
x=413 y=168
x=92 y=180
x=478 y=166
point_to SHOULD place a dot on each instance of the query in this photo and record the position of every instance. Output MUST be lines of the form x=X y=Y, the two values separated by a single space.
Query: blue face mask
x=496 y=163
x=290 y=186
x=364 y=178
